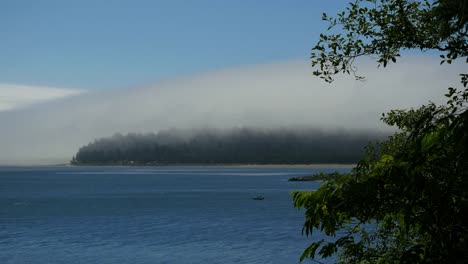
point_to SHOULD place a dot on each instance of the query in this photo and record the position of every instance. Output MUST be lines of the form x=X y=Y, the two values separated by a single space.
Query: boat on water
x=258 y=197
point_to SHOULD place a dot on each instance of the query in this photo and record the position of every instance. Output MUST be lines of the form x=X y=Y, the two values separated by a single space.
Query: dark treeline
x=236 y=146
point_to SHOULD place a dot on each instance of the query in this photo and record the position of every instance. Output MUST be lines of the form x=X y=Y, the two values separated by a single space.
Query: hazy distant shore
x=236 y=146
x=324 y=165
x=334 y=165
x=246 y=166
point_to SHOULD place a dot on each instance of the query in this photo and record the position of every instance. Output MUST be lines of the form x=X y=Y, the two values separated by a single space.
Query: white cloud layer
x=20 y=96
x=267 y=96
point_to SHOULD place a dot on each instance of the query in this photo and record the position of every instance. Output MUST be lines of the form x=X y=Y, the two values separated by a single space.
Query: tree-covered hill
x=236 y=146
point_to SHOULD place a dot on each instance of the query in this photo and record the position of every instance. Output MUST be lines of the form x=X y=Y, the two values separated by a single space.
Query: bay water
x=152 y=214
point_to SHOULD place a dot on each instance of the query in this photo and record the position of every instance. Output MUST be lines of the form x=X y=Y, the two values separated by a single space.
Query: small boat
x=258 y=197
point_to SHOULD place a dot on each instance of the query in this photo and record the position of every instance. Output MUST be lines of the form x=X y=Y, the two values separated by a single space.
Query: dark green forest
x=236 y=146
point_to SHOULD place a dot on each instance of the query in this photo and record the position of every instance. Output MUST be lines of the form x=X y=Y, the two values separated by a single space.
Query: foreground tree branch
x=406 y=200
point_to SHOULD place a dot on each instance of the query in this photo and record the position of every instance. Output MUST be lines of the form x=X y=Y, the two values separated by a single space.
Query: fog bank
x=20 y=96
x=279 y=95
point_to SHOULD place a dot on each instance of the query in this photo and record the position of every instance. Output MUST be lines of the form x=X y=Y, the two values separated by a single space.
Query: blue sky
x=92 y=44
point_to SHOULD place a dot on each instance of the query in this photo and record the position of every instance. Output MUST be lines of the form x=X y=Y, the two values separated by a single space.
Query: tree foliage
x=406 y=201
x=385 y=27
x=236 y=146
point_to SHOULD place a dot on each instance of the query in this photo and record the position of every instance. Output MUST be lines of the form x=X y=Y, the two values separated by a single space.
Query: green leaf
x=309 y=252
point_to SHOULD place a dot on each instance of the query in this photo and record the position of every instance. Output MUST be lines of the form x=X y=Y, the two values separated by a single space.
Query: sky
x=74 y=71
x=95 y=44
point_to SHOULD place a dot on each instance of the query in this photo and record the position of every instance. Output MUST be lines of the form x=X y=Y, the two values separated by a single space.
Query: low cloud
x=278 y=95
x=20 y=96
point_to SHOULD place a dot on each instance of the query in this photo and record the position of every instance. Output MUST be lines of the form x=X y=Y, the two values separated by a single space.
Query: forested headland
x=235 y=146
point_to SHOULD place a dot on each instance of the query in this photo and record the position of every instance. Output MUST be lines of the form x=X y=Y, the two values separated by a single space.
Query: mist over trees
x=235 y=146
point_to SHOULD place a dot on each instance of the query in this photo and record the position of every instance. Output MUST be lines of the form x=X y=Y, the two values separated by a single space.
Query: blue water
x=151 y=215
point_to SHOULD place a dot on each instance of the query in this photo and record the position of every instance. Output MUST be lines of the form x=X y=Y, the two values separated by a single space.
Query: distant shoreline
x=334 y=165
x=247 y=166
x=327 y=165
